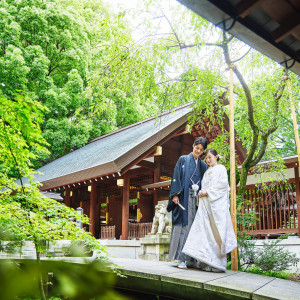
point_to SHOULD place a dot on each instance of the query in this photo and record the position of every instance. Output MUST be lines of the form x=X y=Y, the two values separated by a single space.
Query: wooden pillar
x=182 y=141
x=156 y=178
x=234 y=255
x=97 y=215
x=296 y=132
x=297 y=196
x=93 y=209
x=67 y=197
x=295 y=124
x=125 y=206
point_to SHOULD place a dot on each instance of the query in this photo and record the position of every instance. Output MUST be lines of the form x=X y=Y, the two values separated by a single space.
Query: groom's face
x=198 y=150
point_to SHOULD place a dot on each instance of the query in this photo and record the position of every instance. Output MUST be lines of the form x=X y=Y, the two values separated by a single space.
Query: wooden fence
x=274 y=211
x=139 y=230
x=136 y=231
x=108 y=232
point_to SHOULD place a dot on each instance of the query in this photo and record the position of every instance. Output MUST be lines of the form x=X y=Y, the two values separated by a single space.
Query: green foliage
x=277 y=274
x=20 y=134
x=65 y=280
x=270 y=257
x=30 y=215
x=53 y=51
x=25 y=214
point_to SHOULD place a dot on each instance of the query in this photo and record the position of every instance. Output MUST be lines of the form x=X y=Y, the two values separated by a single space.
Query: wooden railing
x=108 y=232
x=138 y=230
x=274 y=211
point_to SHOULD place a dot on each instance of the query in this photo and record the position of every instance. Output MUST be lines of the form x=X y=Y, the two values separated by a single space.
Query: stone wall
x=115 y=248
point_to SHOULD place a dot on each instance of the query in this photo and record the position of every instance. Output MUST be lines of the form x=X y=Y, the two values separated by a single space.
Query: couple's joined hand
x=202 y=194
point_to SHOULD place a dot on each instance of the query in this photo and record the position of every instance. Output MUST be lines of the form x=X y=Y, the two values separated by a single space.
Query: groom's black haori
x=187 y=172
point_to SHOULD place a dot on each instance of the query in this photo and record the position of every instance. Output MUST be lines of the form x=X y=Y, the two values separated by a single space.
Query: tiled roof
x=111 y=152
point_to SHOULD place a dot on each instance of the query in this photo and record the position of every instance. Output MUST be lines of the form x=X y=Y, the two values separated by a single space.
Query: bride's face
x=210 y=159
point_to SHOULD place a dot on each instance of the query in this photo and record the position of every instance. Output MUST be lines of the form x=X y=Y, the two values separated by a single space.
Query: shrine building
x=118 y=178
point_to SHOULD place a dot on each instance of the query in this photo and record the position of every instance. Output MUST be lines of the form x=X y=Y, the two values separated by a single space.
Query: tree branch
x=183 y=46
x=262 y=150
x=248 y=98
x=176 y=36
x=236 y=60
x=273 y=127
x=276 y=97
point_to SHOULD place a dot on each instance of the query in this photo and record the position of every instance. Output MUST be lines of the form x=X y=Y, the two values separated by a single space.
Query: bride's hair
x=213 y=152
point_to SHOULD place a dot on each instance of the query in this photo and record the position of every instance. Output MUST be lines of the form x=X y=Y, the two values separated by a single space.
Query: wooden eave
x=121 y=164
x=157 y=185
x=271 y=27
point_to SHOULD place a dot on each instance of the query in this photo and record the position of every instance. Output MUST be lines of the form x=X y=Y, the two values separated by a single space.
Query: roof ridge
x=139 y=123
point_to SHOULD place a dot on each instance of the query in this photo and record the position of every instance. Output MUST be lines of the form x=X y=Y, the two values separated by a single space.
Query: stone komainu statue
x=161 y=223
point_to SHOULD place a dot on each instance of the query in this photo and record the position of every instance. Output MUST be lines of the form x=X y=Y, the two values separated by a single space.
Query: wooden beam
x=297 y=196
x=272 y=231
x=137 y=160
x=185 y=131
x=164 y=198
x=125 y=206
x=67 y=200
x=286 y=28
x=93 y=207
x=146 y=164
x=181 y=133
x=245 y=7
x=151 y=150
x=174 y=145
x=139 y=171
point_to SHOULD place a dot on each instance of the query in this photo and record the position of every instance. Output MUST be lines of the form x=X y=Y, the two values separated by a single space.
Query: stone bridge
x=164 y=279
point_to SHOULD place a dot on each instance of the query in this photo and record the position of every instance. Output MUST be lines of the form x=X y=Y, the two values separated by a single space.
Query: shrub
x=268 y=258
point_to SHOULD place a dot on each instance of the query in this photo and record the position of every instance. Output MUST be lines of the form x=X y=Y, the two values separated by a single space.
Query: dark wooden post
x=156 y=178
x=125 y=206
x=67 y=197
x=297 y=196
x=93 y=209
x=182 y=141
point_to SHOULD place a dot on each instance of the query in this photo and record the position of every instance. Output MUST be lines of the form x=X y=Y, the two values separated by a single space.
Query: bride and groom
x=202 y=232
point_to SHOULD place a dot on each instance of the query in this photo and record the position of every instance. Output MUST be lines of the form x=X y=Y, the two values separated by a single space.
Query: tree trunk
x=243 y=182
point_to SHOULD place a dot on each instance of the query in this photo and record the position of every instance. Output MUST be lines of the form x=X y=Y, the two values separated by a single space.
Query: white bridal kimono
x=211 y=236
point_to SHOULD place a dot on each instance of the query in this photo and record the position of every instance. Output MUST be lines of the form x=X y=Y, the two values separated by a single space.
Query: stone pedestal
x=155 y=247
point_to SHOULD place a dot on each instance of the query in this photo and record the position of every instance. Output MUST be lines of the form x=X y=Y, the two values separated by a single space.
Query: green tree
x=53 y=51
x=199 y=54
x=25 y=214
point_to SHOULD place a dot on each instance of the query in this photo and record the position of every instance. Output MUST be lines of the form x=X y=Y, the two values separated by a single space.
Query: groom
x=186 y=183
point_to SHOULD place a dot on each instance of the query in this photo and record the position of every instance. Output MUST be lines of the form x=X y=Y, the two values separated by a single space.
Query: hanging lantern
x=120 y=182
x=158 y=151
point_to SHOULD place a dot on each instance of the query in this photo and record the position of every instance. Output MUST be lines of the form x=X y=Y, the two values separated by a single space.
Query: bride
x=212 y=236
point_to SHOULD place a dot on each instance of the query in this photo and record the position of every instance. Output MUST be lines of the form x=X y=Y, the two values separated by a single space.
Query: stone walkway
x=164 y=279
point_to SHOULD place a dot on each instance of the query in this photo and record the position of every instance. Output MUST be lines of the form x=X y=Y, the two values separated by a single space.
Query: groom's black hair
x=202 y=141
